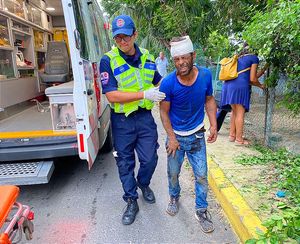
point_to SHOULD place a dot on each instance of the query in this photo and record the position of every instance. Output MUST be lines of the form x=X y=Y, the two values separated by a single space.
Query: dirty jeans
x=195 y=149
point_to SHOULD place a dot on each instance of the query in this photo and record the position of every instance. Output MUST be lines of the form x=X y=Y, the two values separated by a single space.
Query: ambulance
x=51 y=104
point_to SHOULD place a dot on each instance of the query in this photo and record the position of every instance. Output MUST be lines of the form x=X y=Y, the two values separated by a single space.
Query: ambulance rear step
x=26 y=173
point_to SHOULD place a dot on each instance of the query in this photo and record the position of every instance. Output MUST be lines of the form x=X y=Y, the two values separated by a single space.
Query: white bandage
x=181 y=47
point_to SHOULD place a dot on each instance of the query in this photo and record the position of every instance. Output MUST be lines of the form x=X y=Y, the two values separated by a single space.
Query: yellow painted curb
x=243 y=219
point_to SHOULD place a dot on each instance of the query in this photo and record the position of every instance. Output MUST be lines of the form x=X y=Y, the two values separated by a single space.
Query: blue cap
x=123 y=24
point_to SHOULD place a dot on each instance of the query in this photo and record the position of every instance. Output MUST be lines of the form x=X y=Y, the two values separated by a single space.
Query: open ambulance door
x=84 y=59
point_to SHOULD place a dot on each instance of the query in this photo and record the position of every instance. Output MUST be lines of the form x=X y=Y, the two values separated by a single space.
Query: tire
x=108 y=144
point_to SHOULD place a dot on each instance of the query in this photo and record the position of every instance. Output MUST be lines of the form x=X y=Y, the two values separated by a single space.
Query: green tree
x=275 y=33
x=270 y=26
x=218 y=46
x=158 y=21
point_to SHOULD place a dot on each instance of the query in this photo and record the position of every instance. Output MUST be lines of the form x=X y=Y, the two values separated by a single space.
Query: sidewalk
x=229 y=180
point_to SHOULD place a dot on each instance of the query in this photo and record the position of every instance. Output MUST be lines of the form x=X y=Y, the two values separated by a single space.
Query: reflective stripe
x=140 y=80
x=149 y=76
x=148 y=82
x=130 y=83
x=141 y=102
x=121 y=108
x=128 y=77
x=115 y=62
x=112 y=54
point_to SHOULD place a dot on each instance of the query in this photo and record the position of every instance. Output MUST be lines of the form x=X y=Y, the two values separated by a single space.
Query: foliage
x=284 y=228
x=270 y=26
x=218 y=46
x=275 y=33
x=164 y=19
x=231 y=16
x=112 y=6
x=286 y=225
x=160 y=20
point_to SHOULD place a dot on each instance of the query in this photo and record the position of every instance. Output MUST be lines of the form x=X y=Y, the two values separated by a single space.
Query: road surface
x=79 y=206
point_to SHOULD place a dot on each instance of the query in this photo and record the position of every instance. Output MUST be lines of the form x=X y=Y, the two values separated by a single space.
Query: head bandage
x=182 y=47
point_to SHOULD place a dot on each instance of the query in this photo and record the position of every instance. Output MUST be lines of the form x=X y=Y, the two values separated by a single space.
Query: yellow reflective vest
x=131 y=79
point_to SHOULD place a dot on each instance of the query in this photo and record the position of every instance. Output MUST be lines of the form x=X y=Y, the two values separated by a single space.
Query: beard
x=185 y=68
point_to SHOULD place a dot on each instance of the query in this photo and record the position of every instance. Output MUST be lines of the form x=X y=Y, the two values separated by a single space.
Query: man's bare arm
x=173 y=144
x=211 y=110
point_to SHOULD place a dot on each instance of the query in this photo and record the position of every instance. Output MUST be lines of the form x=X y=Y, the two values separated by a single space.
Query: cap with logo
x=123 y=24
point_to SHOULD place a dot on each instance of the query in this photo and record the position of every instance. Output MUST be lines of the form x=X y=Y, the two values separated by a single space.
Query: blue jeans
x=137 y=132
x=195 y=149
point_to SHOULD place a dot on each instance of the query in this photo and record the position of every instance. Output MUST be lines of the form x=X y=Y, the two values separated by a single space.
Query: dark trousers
x=221 y=114
x=137 y=132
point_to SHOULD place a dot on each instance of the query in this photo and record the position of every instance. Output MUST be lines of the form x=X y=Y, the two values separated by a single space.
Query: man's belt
x=202 y=129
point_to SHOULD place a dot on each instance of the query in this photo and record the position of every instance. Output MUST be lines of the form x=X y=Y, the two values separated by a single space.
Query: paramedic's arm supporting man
x=164 y=115
x=152 y=94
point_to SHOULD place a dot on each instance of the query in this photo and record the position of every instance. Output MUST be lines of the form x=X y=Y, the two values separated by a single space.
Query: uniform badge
x=104 y=78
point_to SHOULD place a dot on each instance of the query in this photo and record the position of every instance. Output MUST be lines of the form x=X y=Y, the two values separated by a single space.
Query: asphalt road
x=81 y=206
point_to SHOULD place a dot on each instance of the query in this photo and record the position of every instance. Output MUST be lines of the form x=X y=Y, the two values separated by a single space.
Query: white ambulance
x=51 y=104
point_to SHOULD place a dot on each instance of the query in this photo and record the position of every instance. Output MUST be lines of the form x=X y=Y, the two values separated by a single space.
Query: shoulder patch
x=104 y=78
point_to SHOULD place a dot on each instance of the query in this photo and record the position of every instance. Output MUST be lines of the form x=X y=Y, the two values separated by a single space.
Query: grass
x=281 y=176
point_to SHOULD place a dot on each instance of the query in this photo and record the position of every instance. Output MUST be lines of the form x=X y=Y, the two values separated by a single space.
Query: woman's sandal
x=242 y=143
x=231 y=138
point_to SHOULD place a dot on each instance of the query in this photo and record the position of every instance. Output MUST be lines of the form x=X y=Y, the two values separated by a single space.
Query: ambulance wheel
x=108 y=144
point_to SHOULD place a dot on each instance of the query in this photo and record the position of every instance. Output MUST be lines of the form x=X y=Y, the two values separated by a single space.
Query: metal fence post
x=269 y=115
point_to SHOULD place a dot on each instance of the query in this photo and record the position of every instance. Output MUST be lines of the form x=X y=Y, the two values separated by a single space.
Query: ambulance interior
x=36 y=88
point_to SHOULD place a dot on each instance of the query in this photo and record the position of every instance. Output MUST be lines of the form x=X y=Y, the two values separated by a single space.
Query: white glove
x=154 y=94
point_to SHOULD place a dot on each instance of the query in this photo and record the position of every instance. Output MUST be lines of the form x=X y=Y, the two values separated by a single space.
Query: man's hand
x=154 y=94
x=213 y=135
x=172 y=146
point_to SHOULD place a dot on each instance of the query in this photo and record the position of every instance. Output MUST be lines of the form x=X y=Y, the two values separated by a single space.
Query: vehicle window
x=80 y=25
x=102 y=31
x=96 y=30
x=89 y=23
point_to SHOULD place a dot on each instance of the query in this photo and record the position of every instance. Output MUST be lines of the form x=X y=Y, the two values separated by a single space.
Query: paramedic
x=129 y=77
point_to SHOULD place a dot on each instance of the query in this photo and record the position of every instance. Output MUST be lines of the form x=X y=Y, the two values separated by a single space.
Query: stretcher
x=15 y=218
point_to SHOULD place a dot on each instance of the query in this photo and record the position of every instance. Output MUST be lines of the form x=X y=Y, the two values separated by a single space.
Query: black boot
x=130 y=213
x=148 y=194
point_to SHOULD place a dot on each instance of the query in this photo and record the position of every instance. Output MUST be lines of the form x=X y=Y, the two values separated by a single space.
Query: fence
x=270 y=123
x=266 y=122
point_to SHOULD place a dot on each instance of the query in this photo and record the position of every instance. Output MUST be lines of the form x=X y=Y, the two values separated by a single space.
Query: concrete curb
x=244 y=220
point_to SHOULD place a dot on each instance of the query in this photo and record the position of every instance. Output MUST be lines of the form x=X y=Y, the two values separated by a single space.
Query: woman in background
x=236 y=93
